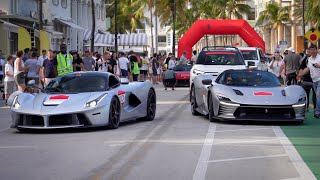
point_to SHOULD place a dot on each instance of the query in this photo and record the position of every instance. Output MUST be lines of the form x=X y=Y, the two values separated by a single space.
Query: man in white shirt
x=313 y=67
x=123 y=65
x=172 y=63
x=194 y=57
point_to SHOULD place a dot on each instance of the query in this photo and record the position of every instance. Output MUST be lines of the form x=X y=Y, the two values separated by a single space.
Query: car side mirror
x=250 y=63
x=124 y=81
x=207 y=81
x=31 y=83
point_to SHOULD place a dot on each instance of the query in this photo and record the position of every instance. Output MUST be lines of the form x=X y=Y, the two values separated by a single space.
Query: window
x=162 y=39
x=55 y=2
x=14 y=6
x=97 y=9
x=113 y=82
x=64 y=3
x=103 y=13
x=13 y=42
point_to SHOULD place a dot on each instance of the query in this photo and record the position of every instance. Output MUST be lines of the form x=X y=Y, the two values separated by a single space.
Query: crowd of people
x=42 y=68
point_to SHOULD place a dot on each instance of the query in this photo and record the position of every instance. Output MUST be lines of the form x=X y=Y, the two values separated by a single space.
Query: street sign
x=313 y=35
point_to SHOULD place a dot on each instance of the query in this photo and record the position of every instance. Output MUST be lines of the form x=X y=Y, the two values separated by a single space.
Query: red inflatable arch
x=221 y=27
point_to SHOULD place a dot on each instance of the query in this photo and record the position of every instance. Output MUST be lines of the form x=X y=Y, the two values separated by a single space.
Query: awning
x=24 y=39
x=97 y=36
x=126 y=39
x=44 y=40
x=70 y=24
x=11 y=27
x=100 y=45
x=55 y=34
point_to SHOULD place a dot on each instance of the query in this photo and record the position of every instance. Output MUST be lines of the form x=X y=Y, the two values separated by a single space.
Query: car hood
x=216 y=69
x=55 y=103
x=261 y=96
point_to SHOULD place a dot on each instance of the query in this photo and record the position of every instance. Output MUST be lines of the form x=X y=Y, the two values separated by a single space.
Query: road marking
x=201 y=169
x=173 y=102
x=5 y=107
x=297 y=161
x=252 y=129
x=248 y=158
x=1 y=130
x=16 y=147
x=251 y=141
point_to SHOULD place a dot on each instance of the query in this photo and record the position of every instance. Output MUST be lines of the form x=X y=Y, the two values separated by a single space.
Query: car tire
x=210 y=108
x=193 y=102
x=114 y=113
x=151 y=106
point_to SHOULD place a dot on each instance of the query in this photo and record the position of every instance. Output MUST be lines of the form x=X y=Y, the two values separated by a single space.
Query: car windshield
x=77 y=84
x=220 y=58
x=249 y=78
x=249 y=54
x=183 y=67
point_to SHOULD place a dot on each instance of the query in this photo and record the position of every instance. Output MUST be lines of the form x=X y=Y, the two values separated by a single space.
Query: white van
x=252 y=56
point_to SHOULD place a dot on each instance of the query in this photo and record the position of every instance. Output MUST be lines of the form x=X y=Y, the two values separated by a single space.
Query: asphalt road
x=176 y=145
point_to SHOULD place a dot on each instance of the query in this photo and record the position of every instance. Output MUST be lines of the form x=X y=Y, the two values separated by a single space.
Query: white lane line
x=251 y=129
x=201 y=169
x=5 y=107
x=16 y=147
x=251 y=141
x=1 y=130
x=248 y=158
x=172 y=102
x=297 y=161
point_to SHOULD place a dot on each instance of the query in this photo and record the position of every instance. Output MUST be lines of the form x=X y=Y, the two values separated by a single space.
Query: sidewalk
x=306 y=140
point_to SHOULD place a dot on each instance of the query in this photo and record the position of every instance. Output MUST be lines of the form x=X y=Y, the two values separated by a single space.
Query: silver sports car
x=84 y=99
x=247 y=95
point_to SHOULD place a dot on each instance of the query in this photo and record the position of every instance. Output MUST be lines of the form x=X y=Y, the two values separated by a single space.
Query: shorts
x=169 y=82
x=9 y=87
x=20 y=79
x=145 y=72
x=154 y=72
x=124 y=72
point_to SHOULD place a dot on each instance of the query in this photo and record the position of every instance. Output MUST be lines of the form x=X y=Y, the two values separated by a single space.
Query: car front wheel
x=114 y=113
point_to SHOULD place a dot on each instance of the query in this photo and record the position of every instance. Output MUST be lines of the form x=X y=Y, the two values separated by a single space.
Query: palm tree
x=93 y=26
x=274 y=16
x=130 y=16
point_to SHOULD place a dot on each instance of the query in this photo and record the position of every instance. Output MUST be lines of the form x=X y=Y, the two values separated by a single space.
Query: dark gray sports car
x=247 y=95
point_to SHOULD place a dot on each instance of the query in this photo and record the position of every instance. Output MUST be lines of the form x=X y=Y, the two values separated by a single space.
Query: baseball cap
x=291 y=49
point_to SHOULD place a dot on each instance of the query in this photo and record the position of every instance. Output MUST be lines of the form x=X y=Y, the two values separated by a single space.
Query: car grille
x=68 y=119
x=265 y=112
x=31 y=120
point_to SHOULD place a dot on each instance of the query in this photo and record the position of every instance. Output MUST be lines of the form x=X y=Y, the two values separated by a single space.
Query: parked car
x=252 y=56
x=182 y=73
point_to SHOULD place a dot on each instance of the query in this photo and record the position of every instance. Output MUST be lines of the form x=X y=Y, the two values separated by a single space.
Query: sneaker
x=165 y=88
x=172 y=88
x=317 y=116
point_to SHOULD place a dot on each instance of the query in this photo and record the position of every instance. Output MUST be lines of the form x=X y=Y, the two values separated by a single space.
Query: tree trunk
x=151 y=19
x=93 y=26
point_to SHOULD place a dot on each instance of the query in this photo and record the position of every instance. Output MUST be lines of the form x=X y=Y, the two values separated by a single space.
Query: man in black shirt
x=78 y=63
x=307 y=83
x=112 y=63
x=48 y=68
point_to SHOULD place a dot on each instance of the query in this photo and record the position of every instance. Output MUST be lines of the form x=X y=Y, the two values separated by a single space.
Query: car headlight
x=16 y=104
x=197 y=72
x=301 y=103
x=95 y=102
x=222 y=98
